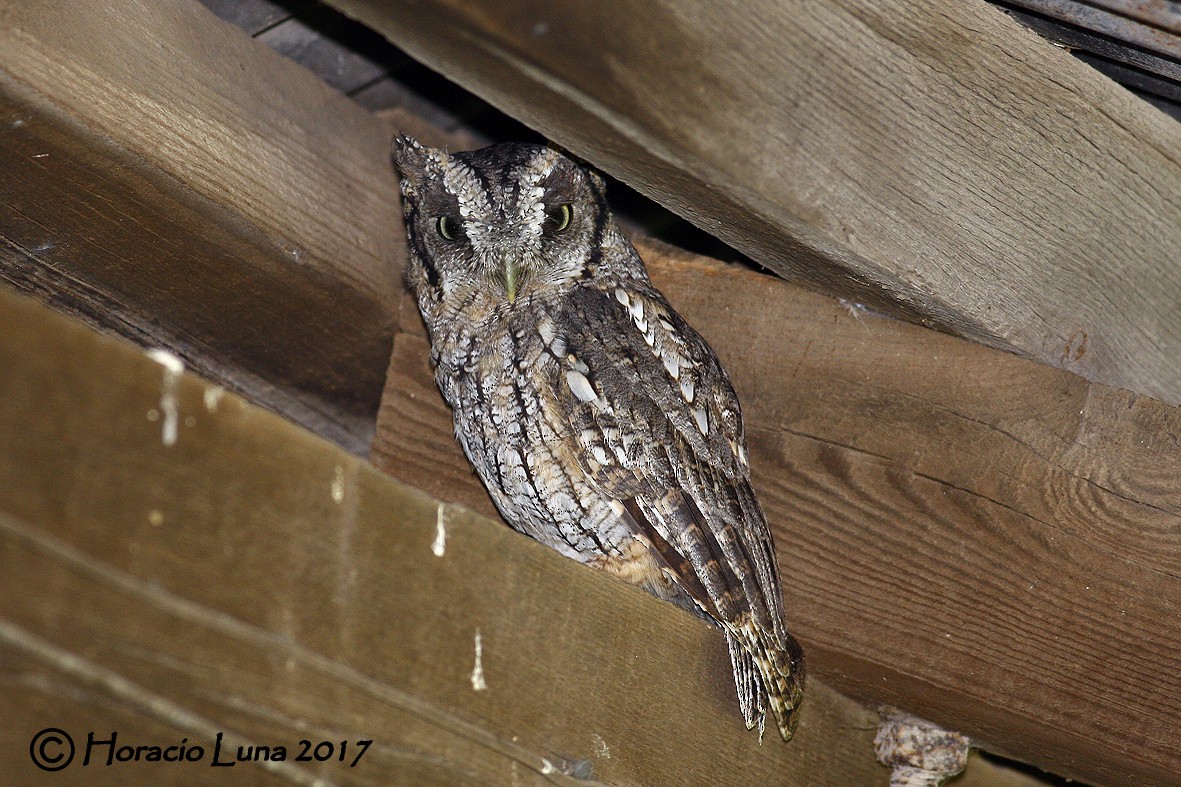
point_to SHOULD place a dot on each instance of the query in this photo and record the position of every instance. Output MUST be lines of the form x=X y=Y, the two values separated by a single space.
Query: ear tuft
x=412 y=158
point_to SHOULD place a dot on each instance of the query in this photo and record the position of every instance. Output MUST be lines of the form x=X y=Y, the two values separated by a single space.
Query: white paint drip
x=478 y=682
x=439 y=547
x=547 y=767
x=213 y=395
x=172 y=371
x=600 y=746
x=338 y=485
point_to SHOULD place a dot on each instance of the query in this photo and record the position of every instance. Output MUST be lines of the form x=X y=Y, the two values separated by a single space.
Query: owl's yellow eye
x=449 y=228
x=557 y=217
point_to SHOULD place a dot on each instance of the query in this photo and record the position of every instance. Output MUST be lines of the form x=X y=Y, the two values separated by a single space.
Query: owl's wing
x=656 y=426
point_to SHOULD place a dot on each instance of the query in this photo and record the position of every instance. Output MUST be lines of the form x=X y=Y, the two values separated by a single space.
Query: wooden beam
x=253 y=580
x=934 y=159
x=983 y=540
x=169 y=180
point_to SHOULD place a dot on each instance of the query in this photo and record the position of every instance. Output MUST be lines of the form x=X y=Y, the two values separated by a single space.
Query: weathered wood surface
x=167 y=179
x=934 y=158
x=988 y=542
x=253 y=579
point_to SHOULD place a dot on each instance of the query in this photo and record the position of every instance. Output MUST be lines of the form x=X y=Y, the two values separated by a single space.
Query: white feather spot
x=478 y=682
x=687 y=390
x=650 y=339
x=621 y=296
x=601 y=455
x=668 y=326
x=439 y=545
x=702 y=418
x=545 y=327
x=636 y=308
x=739 y=452
x=672 y=362
x=581 y=386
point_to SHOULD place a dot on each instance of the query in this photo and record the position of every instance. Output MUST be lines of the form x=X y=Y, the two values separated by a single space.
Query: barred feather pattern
x=600 y=422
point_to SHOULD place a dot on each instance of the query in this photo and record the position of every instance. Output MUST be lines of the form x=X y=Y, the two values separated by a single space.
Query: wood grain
x=934 y=159
x=203 y=194
x=983 y=540
x=255 y=580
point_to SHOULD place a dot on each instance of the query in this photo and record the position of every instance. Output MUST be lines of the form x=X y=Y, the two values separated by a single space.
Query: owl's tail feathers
x=767 y=674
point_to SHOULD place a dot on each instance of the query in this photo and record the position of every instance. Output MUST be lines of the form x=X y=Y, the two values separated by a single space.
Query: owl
x=601 y=424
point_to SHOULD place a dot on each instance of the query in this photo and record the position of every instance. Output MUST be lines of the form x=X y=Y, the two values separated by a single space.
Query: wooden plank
x=315 y=40
x=934 y=159
x=983 y=540
x=1111 y=25
x=1079 y=39
x=252 y=579
x=1165 y=15
x=253 y=16
x=235 y=210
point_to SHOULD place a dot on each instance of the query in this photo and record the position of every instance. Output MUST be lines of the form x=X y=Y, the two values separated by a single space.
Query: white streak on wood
x=213 y=395
x=478 y=682
x=439 y=547
x=338 y=484
x=172 y=371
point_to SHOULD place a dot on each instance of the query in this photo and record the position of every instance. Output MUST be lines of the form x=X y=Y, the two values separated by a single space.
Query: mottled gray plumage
x=600 y=422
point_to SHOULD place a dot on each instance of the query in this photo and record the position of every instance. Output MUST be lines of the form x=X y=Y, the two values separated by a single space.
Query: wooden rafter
x=253 y=580
x=188 y=194
x=935 y=159
x=984 y=540
x=920 y=486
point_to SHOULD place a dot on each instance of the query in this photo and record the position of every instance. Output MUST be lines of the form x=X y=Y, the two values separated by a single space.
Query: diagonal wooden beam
x=251 y=579
x=169 y=180
x=934 y=159
x=986 y=541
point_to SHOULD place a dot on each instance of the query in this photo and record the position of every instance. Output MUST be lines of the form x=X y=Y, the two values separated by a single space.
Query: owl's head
x=491 y=227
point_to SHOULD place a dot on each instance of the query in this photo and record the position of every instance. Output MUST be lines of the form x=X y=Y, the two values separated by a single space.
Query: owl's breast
x=498 y=379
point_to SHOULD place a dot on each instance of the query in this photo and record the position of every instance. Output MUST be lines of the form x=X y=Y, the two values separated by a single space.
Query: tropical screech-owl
x=601 y=423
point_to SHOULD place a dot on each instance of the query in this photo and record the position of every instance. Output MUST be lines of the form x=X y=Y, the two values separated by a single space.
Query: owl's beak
x=510 y=275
